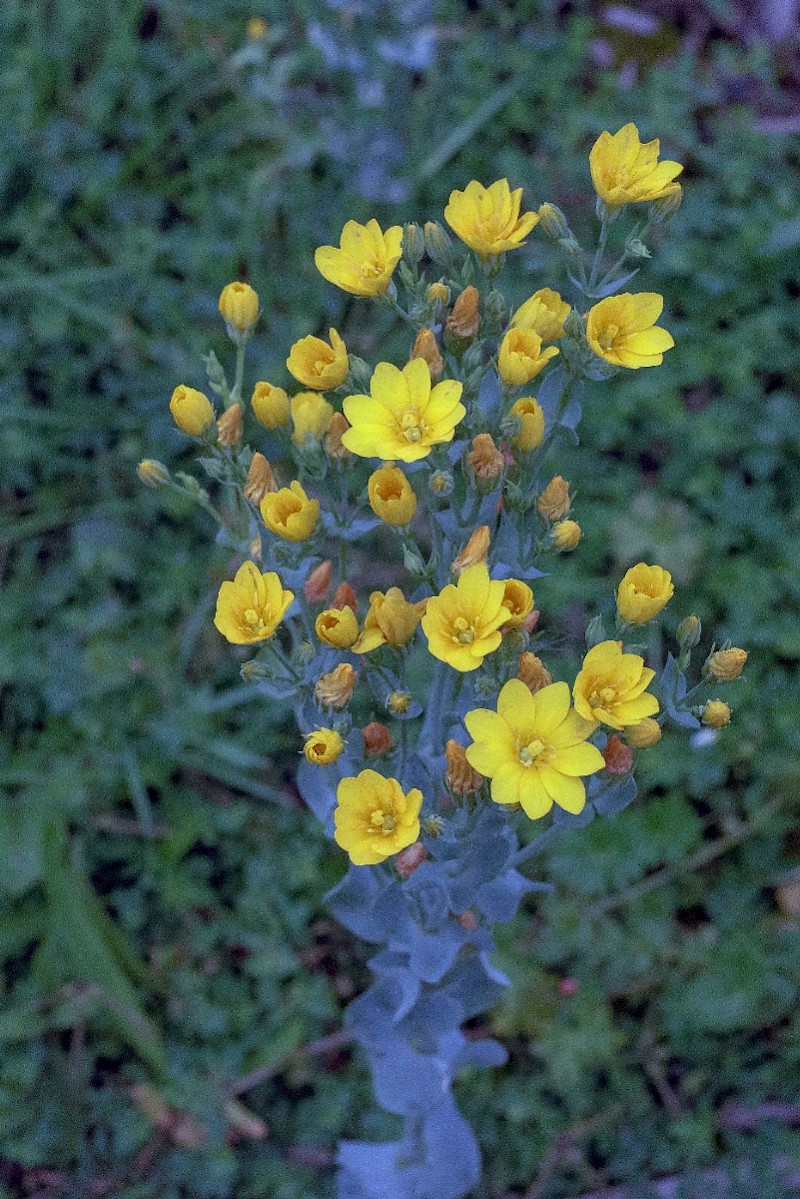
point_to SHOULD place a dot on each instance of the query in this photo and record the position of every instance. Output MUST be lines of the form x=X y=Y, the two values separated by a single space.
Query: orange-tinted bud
x=464 y=321
x=725 y=665
x=484 y=458
x=617 y=756
x=425 y=347
x=260 y=479
x=476 y=550
x=377 y=739
x=317 y=585
x=533 y=673
x=333 y=438
x=408 y=859
x=335 y=689
x=554 y=502
x=345 y=597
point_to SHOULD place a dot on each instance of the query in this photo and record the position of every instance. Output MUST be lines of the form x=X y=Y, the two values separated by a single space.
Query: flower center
x=370 y=270
x=384 y=821
x=607 y=338
x=410 y=424
x=530 y=752
x=599 y=698
x=253 y=620
x=464 y=632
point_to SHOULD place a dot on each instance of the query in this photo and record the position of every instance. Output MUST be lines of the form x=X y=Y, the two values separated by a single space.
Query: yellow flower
x=398 y=702
x=289 y=513
x=335 y=689
x=488 y=218
x=250 y=608
x=390 y=620
x=391 y=496
x=716 y=714
x=725 y=665
x=643 y=734
x=463 y=622
x=375 y=818
x=257 y=28
x=323 y=747
x=627 y=171
x=518 y=598
x=337 y=627
x=364 y=262
x=404 y=416
x=533 y=748
x=238 y=306
x=566 y=535
x=191 y=410
x=521 y=356
x=270 y=406
x=531 y=416
x=437 y=293
x=643 y=591
x=316 y=364
x=311 y=416
x=623 y=331
x=611 y=687
x=545 y=313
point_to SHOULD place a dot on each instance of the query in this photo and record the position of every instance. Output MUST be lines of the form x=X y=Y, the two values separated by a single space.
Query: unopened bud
x=554 y=502
x=689 y=631
x=360 y=373
x=464 y=320
x=333 y=438
x=441 y=482
x=413 y=562
x=425 y=347
x=635 y=248
x=725 y=665
x=438 y=245
x=553 y=222
x=238 y=306
x=413 y=244
x=260 y=479
x=485 y=459
x=335 y=689
x=595 y=631
x=253 y=671
x=153 y=473
x=716 y=714
x=191 y=410
x=533 y=673
x=617 y=756
x=496 y=307
x=438 y=293
x=270 y=406
x=345 y=597
x=317 y=585
x=566 y=535
x=408 y=859
x=643 y=734
x=377 y=739
x=468 y=921
x=229 y=427
x=569 y=245
x=476 y=550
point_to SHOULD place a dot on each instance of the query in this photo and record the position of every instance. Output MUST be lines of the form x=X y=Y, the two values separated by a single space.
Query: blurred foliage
x=160 y=910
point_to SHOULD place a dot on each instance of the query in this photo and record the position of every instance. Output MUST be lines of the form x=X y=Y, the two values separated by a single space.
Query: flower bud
x=253 y=671
x=317 y=585
x=335 y=689
x=323 y=747
x=643 y=734
x=595 y=631
x=485 y=459
x=617 y=756
x=725 y=665
x=643 y=592
x=461 y=778
x=311 y=416
x=554 y=502
x=434 y=826
x=413 y=244
x=553 y=221
x=270 y=406
x=566 y=535
x=715 y=714
x=438 y=293
x=476 y=550
x=377 y=739
x=661 y=210
x=238 y=306
x=408 y=859
x=153 y=473
x=496 y=308
x=333 y=438
x=229 y=427
x=260 y=479
x=425 y=347
x=191 y=410
x=441 y=482
x=414 y=562
x=398 y=702
x=530 y=414
x=391 y=496
x=337 y=627
x=438 y=245
x=468 y=920
x=464 y=320
x=360 y=373
x=635 y=248
x=689 y=632
x=569 y=244
x=533 y=673
x=345 y=597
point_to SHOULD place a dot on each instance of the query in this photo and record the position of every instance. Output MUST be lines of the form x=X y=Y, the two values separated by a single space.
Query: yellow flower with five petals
x=463 y=622
x=626 y=170
x=488 y=219
x=365 y=259
x=251 y=606
x=374 y=818
x=403 y=417
x=622 y=330
x=611 y=687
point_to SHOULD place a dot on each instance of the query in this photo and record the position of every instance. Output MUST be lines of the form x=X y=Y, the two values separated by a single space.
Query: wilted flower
x=725 y=665
x=476 y=550
x=377 y=739
x=521 y=357
x=391 y=496
x=191 y=410
x=365 y=260
x=403 y=417
x=462 y=623
x=611 y=686
x=622 y=330
x=627 y=171
x=317 y=364
x=260 y=479
x=461 y=778
x=533 y=748
x=238 y=306
x=374 y=818
x=545 y=313
x=531 y=417
x=425 y=347
x=317 y=585
x=617 y=756
x=488 y=218
x=311 y=417
x=465 y=318
x=333 y=437
x=554 y=503
x=250 y=608
x=323 y=747
x=229 y=426
x=270 y=406
x=409 y=859
x=390 y=620
x=289 y=513
x=335 y=689
x=643 y=592
x=533 y=672
x=484 y=458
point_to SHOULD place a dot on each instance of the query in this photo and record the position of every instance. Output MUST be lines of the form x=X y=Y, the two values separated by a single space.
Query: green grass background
x=148 y=155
